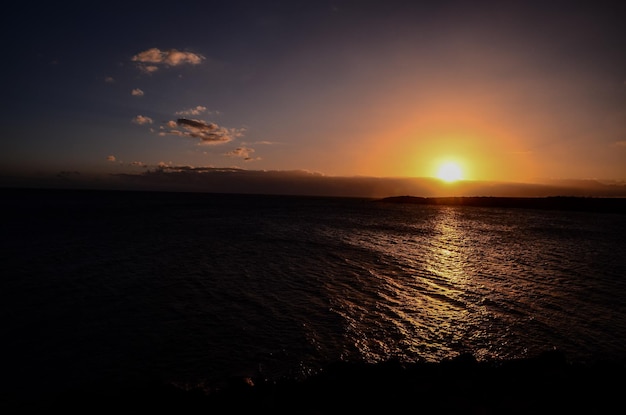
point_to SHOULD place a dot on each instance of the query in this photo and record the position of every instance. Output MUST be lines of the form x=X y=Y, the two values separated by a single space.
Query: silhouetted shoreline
x=570 y=203
x=544 y=384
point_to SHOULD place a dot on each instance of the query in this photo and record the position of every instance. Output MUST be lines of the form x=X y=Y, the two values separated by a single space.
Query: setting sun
x=449 y=172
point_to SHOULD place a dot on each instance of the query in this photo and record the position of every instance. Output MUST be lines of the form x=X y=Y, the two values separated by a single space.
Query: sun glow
x=450 y=172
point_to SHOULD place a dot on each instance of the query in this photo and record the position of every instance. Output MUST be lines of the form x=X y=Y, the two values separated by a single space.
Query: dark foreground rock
x=545 y=384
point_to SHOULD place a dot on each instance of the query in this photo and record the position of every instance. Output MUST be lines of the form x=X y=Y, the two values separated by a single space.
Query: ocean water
x=191 y=288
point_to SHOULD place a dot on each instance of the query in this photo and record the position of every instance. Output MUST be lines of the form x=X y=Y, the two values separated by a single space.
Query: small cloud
x=109 y=80
x=150 y=60
x=148 y=68
x=138 y=164
x=621 y=143
x=111 y=158
x=243 y=152
x=137 y=92
x=141 y=120
x=196 y=124
x=207 y=132
x=193 y=111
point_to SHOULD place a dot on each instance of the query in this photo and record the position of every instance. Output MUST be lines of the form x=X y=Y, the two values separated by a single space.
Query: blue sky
x=509 y=91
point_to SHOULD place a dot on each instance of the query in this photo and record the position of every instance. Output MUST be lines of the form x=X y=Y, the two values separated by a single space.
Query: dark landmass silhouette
x=548 y=383
x=569 y=203
x=298 y=182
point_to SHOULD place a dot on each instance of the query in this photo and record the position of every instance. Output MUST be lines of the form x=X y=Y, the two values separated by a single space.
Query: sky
x=193 y=93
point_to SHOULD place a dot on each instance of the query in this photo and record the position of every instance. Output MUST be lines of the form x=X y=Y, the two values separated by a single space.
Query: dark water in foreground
x=198 y=287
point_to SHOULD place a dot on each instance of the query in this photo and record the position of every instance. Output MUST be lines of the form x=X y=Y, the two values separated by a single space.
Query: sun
x=450 y=172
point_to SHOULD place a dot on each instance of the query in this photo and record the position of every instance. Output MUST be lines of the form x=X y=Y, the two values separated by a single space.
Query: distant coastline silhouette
x=570 y=203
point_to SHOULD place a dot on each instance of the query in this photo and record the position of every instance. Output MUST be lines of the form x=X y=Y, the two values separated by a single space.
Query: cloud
x=243 y=152
x=620 y=143
x=137 y=92
x=150 y=60
x=196 y=124
x=141 y=120
x=196 y=111
x=169 y=167
x=114 y=159
x=207 y=132
x=148 y=68
x=109 y=80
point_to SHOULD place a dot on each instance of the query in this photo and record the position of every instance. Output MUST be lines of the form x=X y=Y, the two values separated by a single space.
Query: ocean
x=192 y=288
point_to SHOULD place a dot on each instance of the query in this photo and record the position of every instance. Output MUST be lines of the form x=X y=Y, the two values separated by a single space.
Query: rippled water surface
x=189 y=286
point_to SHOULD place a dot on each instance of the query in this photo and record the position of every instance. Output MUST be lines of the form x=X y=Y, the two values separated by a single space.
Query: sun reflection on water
x=448 y=246
x=418 y=288
x=443 y=279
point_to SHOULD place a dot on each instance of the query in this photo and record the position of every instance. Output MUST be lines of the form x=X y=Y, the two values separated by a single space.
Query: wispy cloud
x=197 y=110
x=169 y=167
x=621 y=143
x=242 y=152
x=113 y=159
x=109 y=80
x=207 y=132
x=137 y=92
x=142 y=120
x=152 y=59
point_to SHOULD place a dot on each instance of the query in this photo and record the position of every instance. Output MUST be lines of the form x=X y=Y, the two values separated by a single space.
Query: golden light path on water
x=444 y=278
x=452 y=248
x=429 y=294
